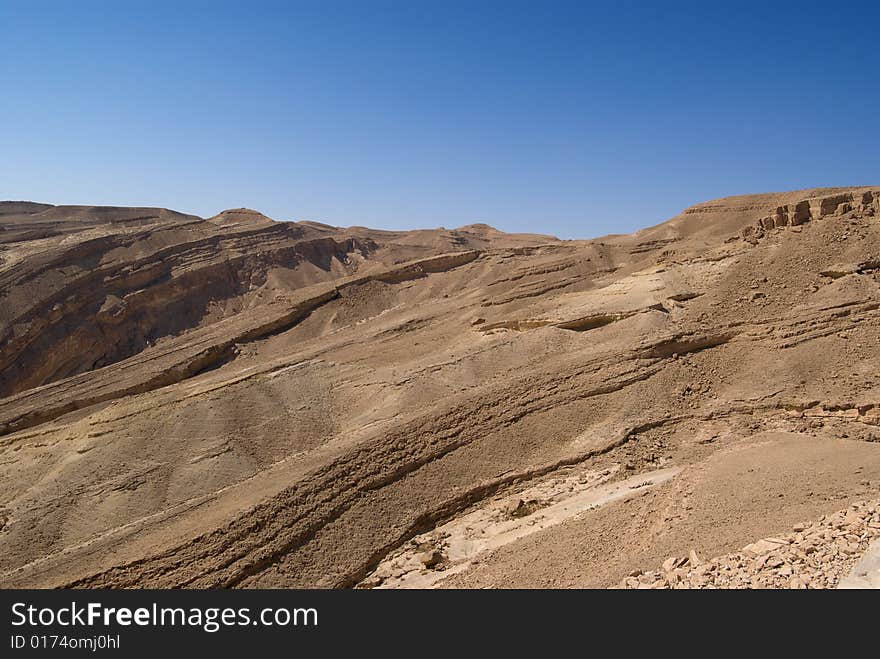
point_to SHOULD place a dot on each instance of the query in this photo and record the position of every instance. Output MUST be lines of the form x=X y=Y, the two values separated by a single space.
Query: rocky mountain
x=241 y=402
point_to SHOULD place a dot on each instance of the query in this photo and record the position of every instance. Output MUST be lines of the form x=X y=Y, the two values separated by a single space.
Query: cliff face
x=235 y=401
x=847 y=205
x=86 y=287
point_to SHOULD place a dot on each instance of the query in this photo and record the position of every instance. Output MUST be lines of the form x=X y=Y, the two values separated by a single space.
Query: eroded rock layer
x=240 y=402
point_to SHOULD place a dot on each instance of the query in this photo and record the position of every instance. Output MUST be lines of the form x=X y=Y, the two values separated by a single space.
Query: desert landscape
x=240 y=402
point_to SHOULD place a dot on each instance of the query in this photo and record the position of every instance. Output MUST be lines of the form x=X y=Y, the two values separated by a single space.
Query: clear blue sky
x=571 y=118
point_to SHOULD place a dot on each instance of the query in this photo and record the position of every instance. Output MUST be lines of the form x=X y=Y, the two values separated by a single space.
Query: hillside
x=241 y=402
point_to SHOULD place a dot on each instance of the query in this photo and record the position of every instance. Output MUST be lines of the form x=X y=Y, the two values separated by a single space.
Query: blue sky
x=571 y=118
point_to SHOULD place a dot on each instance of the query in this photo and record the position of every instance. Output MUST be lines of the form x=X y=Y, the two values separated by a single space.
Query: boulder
x=431 y=558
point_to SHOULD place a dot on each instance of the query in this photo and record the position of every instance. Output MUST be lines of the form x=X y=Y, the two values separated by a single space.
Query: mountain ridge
x=250 y=403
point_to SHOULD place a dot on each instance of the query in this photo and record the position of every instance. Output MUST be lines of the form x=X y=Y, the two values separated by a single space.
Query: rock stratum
x=240 y=402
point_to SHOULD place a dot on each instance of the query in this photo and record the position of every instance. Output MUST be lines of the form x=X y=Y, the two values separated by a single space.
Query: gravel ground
x=813 y=555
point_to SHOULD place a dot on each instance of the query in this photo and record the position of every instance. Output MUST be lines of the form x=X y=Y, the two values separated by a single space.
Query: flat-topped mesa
x=853 y=203
x=22 y=208
x=25 y=213
x=479 y=227
x=240 y=216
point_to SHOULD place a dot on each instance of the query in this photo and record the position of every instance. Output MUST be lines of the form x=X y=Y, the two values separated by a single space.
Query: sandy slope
x=242 y=402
